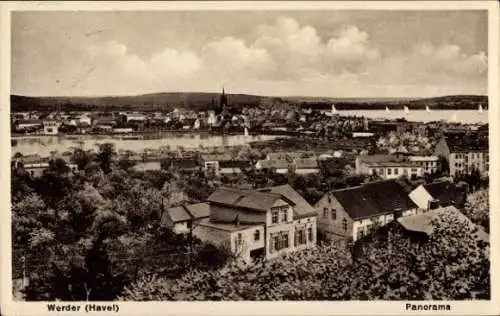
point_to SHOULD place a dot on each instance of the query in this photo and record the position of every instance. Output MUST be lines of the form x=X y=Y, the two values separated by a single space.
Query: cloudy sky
x=306 y=53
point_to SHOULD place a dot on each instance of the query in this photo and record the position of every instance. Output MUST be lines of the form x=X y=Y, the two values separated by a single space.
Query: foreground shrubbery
x=453 y=264
x=85 y=235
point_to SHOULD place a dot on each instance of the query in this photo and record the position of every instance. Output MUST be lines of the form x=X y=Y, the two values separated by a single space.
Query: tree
x=105 y=156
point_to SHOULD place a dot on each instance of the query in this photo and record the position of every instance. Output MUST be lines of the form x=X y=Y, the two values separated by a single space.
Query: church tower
x=223 y=103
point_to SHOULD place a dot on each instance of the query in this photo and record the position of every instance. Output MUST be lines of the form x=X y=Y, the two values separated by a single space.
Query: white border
x=492 y=307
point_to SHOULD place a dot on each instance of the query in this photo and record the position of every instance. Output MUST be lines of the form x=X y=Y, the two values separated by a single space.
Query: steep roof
x=186 y=212
x=247 y=199
x=176 y=214
x=198 y=210
x=463 y=142
x=302 y=208
x=446 y=192
x=374 y=198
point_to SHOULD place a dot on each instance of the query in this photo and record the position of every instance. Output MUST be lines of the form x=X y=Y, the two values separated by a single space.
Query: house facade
x=258 y=223
x=464 y=152
x=429 y=164
x=388 y=166
x=349 y=214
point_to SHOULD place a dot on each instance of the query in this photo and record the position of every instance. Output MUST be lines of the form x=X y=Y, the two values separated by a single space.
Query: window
x=300 y=236
x=381 y=170
x=239 y=239
x=389 y=171
x=396 y=170
x=285 y=215
x=275 y=216
x=334 y=214
x=279 y=241
x=325 y=212
x=344 y=224
x=256 y=235
x=310 y=234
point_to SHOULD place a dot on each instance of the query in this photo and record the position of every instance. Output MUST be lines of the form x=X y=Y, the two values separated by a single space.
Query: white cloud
x=285 y=55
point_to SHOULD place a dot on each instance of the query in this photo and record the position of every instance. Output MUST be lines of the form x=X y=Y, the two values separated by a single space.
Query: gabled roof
x=446 y=192
x=302 y=208
x=246 y=199
x=374 y=198
x=463 y=142
x=199 y=210
x=177 y=214
x=29 y=122
x=185 y=213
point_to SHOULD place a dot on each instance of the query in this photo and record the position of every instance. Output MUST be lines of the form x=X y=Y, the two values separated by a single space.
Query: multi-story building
x=430 y=164
x=258 y=223
x=388 y=166
x=465 y=152
x=351 y=213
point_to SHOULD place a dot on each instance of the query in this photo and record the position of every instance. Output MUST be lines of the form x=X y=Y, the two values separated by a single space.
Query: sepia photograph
x=249 y=155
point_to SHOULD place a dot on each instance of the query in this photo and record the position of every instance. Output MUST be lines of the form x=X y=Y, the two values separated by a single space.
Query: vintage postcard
x=250 y=158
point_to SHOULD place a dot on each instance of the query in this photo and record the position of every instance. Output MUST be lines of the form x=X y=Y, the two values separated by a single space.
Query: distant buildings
x=388 y=166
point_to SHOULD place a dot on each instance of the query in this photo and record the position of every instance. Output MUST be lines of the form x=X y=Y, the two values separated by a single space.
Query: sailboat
x=480 y=110
x=387 y=109
x=334 y=110
x=427 y=108
x=454 y=117
x=246 y=132
x=407 y=110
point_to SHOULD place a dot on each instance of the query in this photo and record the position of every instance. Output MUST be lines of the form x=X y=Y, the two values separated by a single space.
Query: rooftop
x=374 y=198
x=247 y=199
x=301 y=209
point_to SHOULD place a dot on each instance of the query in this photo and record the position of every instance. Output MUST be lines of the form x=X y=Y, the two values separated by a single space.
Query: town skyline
x=322 y=54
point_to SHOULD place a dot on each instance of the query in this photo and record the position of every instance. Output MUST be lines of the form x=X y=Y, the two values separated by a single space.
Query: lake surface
x=459 y=116
x=44 y=145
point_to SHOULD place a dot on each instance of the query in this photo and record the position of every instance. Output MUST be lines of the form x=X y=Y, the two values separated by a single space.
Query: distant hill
x=198 y=101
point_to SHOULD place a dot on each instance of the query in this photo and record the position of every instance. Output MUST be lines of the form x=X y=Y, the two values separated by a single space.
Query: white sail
x=454 y=117
x=334 y=110
x=480 y=108
x=407 y=110
x=246 y=132
x=427 y=109
x=387 y=109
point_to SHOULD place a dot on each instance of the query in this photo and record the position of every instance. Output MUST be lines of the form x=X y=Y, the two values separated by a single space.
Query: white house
x=388 y=166
x=351 y=213
x=429 y=163
x=438 y=194
x=51 y=127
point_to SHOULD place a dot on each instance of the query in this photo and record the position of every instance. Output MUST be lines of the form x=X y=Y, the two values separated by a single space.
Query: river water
x=44 y=145
x=459 y=116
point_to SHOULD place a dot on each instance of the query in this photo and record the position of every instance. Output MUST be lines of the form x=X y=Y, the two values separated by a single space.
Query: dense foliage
x=477 y=208
x=389 y=265
x=84 y=235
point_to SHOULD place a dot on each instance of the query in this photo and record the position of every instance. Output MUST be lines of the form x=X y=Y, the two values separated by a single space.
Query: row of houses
x=266 y=223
